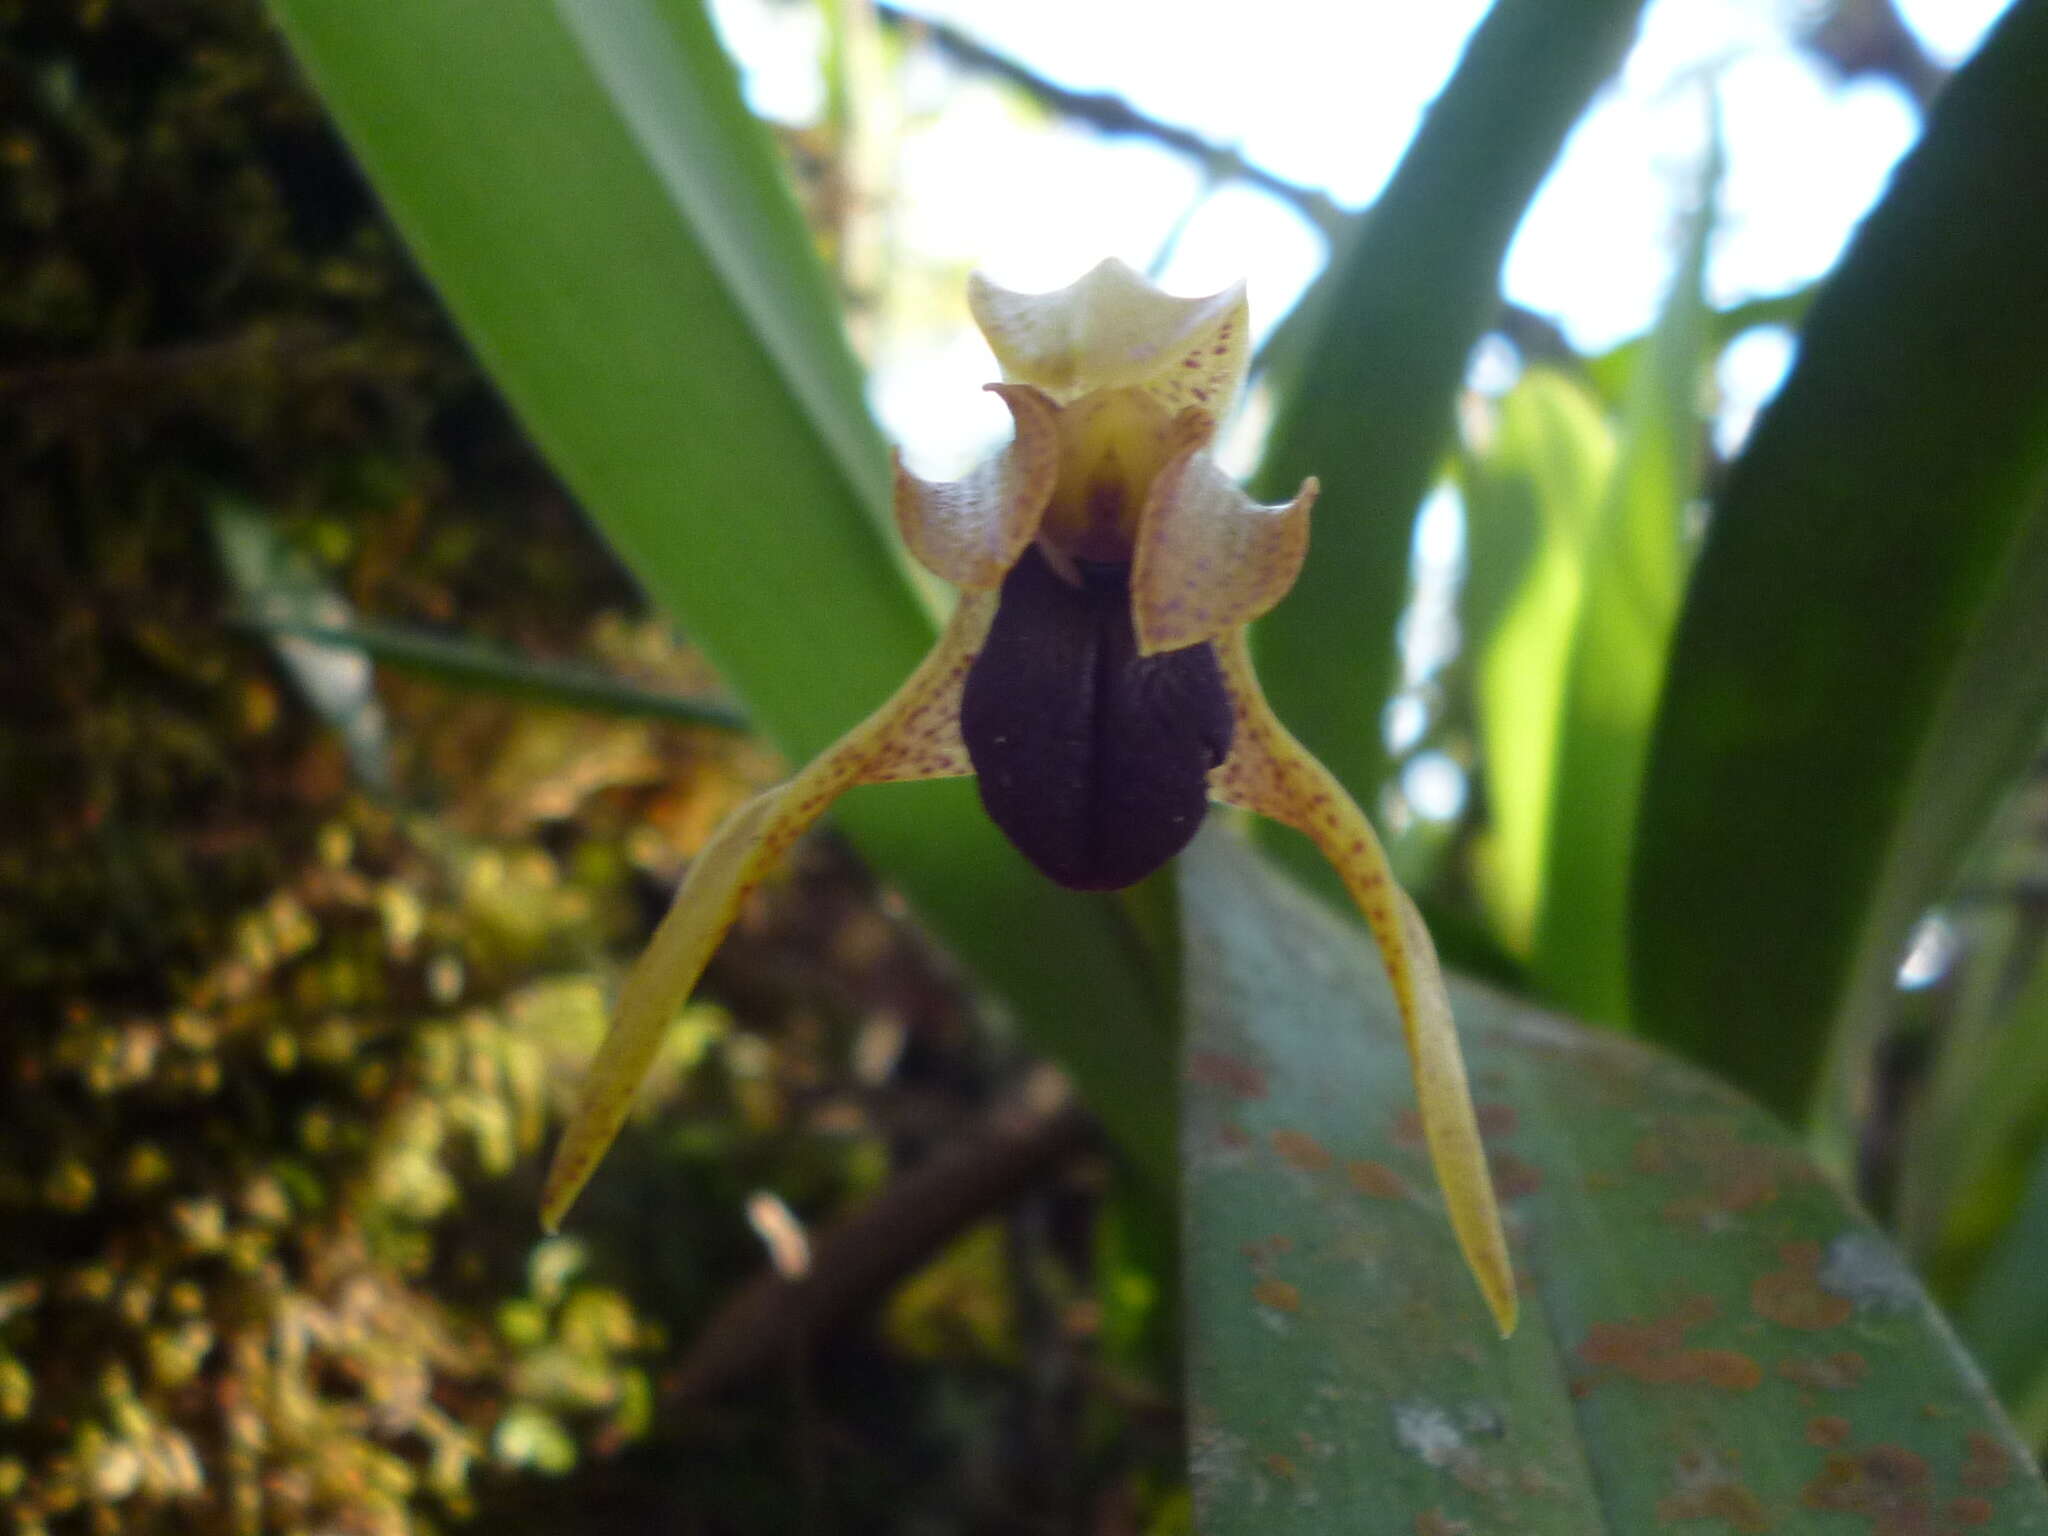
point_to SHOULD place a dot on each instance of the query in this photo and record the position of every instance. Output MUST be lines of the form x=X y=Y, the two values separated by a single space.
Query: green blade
x=1980 y=1110
x=1374 y=356
x=1531 y=505
x=1710 y=1332
x=2002 y=1316
x=1857 y=674
x=1634 y=572
x=644 y=295
x=610 y=228
x=464 y=663
x=1613 y=371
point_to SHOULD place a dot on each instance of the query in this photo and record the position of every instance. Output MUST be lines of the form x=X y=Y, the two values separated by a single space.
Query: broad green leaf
x=642 y=291
x=1376 y=353
x=1634 y=573
x=1857 y=674
x=1531 y=504
x=1712 y=1338
x=584 y=185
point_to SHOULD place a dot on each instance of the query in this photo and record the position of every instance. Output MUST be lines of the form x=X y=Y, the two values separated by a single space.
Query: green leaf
x=1634 y=572
x=1375 y=355
x=1857 y=675
x=610 y=228
x=1575 y=561
x=464 y=663
x=1531 y=504
x=1710 y=1332
x=2002 y=1317
x=1979 y=1112
x=631 y=269
x=1613 y=371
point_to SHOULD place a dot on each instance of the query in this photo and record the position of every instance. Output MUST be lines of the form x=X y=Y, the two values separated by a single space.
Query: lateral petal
x=1270 y=772
x=916 y=735
x=1209 y=558
x=1112 y=329
x=970 y=532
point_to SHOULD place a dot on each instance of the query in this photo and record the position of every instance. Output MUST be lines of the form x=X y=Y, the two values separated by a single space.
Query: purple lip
x=1092 y=759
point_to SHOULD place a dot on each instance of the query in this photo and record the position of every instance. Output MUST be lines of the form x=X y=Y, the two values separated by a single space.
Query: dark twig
x=1111 y=114
x=862 y=1255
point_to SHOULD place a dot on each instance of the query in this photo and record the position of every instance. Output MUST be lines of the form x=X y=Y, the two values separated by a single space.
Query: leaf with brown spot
x=1838 y=1372
x=1970 y=1510
x=1278 y=1295
x=1791 y=1295
x=1730 y=1503
x=1656 y=1353
x=1303 y=1152
x=1642 y=1343
x=1988 y=1465
x=1887 y=1485
x=1495 y=1120
x=1215 y=1070
x=1376 y=1181
x=1827 y=1430
x=1717 y=1174
x=1514 y=1177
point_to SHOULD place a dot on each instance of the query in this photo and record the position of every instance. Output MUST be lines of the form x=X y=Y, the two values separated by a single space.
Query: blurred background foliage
x=282 y=1048
x=302 y=955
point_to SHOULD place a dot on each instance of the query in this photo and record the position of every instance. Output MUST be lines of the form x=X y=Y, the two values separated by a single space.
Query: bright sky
x=1328 y=96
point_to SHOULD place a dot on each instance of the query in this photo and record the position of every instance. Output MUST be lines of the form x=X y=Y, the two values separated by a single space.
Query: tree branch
x=1111 y=114
x=863 y=1255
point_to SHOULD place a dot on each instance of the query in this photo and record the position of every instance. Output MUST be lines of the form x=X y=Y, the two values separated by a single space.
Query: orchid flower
x=1095 y=676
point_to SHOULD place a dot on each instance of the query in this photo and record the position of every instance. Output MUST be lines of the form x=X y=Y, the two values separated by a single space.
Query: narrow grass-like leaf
x=1712 y=1338
x=1857 y=674
x=584 y=185
x=1634 y=572
x=2002 y=1316
x=1531 y=504
x=1382 y=342
x=1974 y=1180
x=1984 y=1100
x=1574 y=567
x=463 y=663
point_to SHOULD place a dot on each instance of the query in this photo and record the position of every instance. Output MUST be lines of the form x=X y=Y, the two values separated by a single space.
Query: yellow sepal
x=916 y=735
x=1270 y=772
